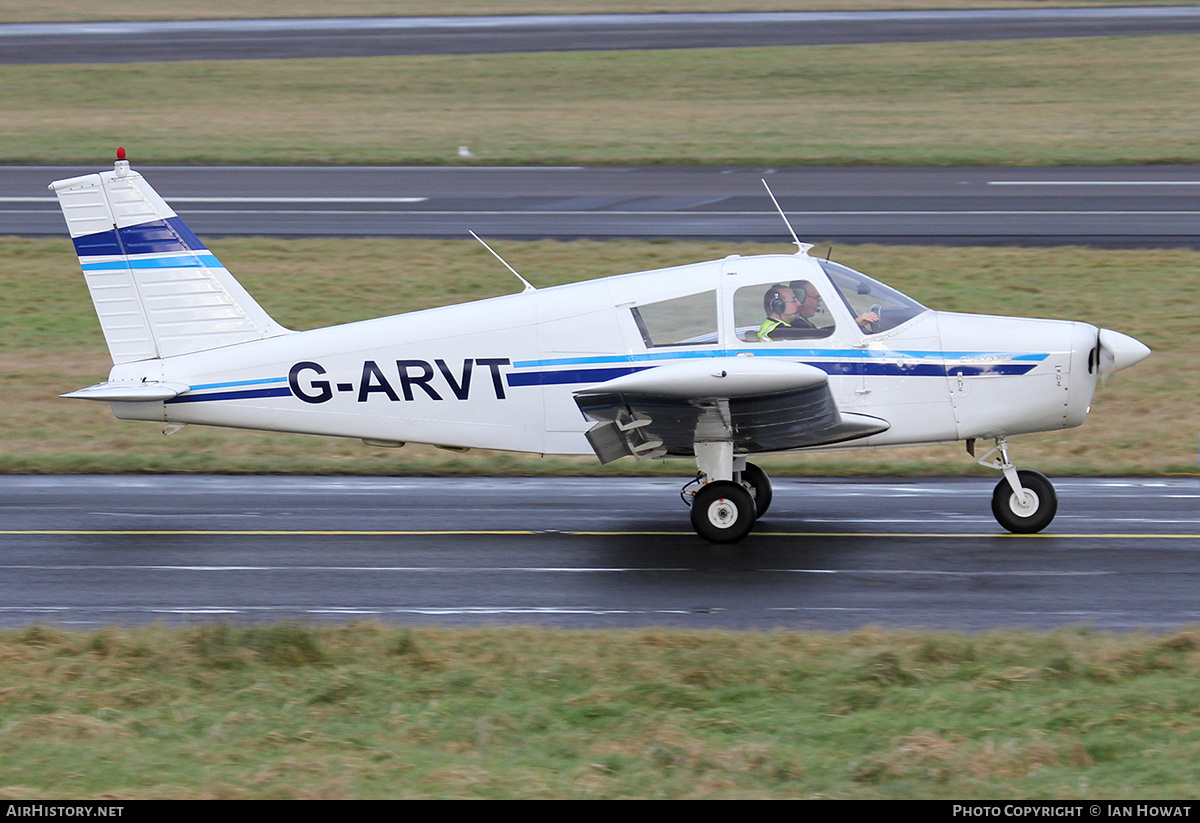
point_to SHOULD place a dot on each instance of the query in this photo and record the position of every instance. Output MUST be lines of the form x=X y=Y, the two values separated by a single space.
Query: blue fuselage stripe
x=790 y=354
x=248 y=394
x=230 y=385
x=558 y=378
x=889 y=369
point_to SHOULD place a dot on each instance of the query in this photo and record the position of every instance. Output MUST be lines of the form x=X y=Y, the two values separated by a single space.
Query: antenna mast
x=803 y=247
x=528 y=286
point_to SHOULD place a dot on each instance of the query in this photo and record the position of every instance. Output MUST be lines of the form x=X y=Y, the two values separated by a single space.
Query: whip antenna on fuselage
x=528 y=286
x=803 y=247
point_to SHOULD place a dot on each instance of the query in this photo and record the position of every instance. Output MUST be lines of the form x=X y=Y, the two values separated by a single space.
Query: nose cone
x=1119 y=351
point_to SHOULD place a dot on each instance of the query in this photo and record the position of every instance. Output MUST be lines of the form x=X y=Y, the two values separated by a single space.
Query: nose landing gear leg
x=1023 y=502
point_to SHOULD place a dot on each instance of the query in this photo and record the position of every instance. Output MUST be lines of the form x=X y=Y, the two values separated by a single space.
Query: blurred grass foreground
x=369 y=711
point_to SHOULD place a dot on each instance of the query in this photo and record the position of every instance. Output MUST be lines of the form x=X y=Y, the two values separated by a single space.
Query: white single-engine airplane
x=714 y=361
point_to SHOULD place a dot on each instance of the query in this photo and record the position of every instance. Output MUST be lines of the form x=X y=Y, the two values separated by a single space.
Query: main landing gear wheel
x=1030 y=515
x=722 y=512
x=760 y=487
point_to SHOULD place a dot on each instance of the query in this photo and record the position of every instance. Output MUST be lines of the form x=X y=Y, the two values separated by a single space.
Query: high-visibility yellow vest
x=769 y=325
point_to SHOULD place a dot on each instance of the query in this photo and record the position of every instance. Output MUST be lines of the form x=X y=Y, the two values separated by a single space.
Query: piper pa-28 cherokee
x=715 y=361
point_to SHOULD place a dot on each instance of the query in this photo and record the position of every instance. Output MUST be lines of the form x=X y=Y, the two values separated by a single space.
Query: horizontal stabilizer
x=157 y=290
x=129 y=391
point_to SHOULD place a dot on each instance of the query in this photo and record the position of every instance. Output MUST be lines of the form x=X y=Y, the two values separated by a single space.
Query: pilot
x=810 y=302
x=789 y=308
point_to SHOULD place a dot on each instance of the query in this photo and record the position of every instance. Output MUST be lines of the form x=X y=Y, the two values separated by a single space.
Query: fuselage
x=501 y=373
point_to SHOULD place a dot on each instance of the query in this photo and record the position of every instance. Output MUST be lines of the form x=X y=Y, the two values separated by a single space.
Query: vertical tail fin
x=157 y=290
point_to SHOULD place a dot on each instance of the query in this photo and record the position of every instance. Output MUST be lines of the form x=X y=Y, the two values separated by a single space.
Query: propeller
x=1119 y=351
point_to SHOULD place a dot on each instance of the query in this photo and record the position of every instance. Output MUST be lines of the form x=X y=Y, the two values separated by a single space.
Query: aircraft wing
x=760 y=404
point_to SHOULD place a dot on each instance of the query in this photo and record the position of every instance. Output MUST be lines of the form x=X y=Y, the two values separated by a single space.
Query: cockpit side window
x=778 y=312
x=681 y=321
x=864 y=296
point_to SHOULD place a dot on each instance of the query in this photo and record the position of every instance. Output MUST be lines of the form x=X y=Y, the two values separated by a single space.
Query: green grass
x=366 y=711
x=1038 y=102
x=1143 y=423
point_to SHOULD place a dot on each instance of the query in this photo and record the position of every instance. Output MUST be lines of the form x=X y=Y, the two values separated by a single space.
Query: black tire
x=1012 y=516
x=760 y=488
x=722 y=512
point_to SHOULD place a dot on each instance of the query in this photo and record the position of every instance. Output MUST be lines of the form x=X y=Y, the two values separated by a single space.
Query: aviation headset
x=773 y=302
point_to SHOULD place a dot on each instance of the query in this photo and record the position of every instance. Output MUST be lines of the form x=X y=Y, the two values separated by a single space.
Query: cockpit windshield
x=863 y=295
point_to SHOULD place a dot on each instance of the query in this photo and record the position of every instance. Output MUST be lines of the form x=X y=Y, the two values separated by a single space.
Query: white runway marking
x=1094 y=182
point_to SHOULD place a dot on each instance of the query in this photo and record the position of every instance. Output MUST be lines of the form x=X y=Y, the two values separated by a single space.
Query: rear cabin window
x=681 y=321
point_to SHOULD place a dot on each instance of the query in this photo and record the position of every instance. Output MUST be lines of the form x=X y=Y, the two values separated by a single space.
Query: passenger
x=784 y=321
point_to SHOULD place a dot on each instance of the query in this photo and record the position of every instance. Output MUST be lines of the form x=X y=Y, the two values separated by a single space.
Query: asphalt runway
x=1118 y=207
x=579 y=552
x=367 y=37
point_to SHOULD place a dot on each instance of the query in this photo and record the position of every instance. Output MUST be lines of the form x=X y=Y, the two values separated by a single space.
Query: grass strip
x=1033 y=102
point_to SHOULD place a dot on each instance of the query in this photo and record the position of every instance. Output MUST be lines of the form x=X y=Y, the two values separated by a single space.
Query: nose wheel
x=1023 y=502
x=1029 y=511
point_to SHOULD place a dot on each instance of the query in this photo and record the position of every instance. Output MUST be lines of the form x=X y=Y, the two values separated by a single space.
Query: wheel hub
x=722 y=513
x=1024 y=507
